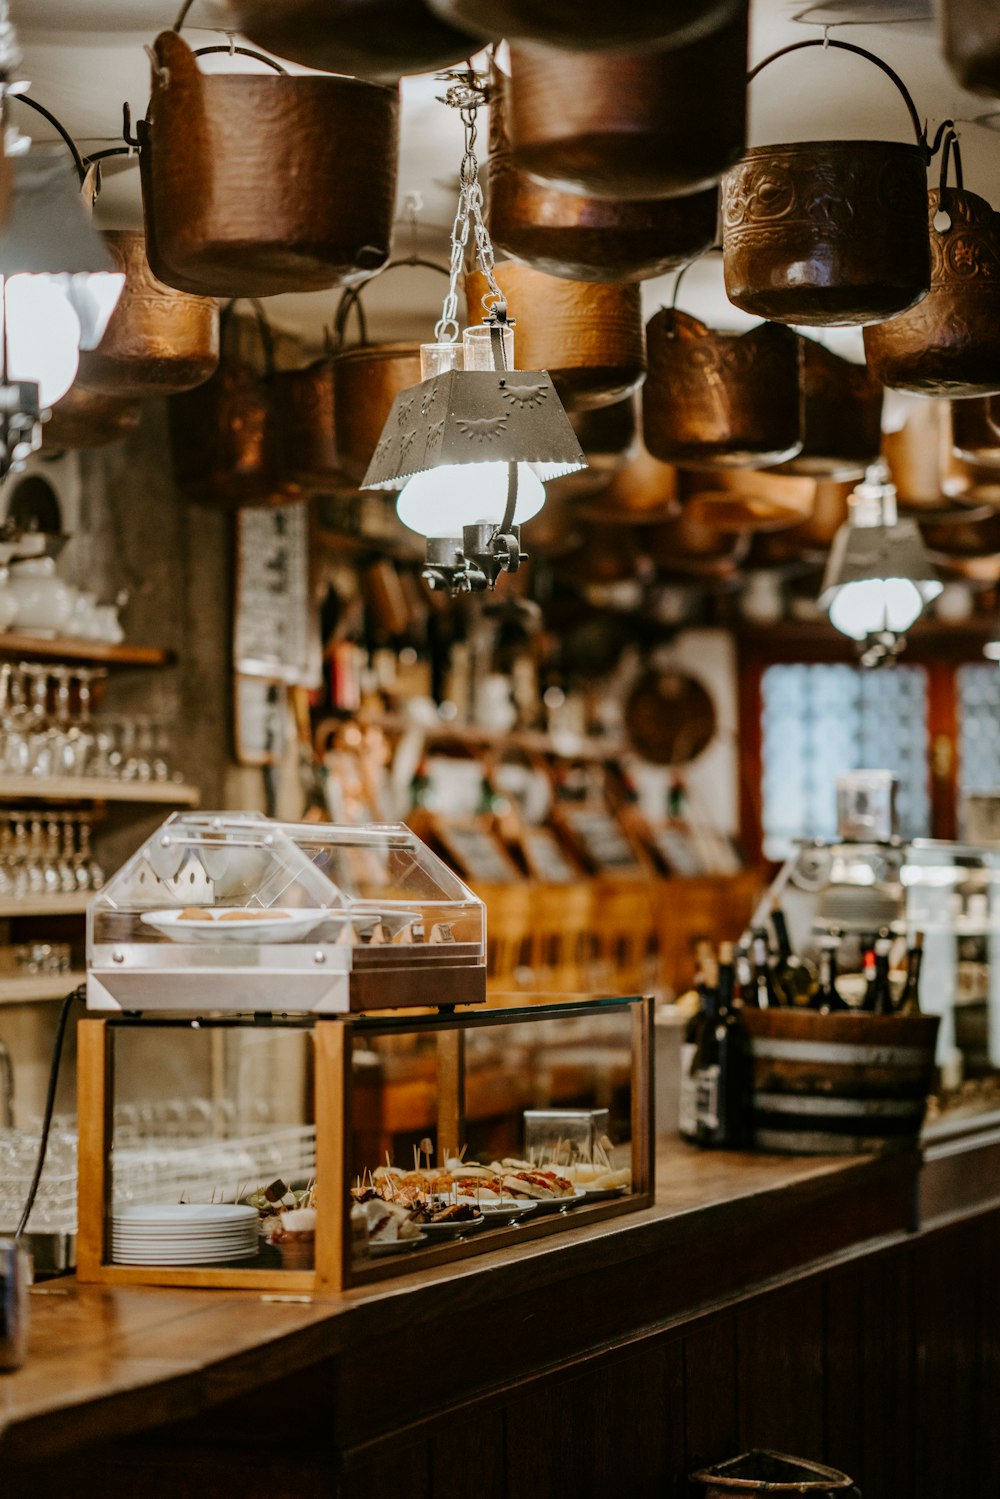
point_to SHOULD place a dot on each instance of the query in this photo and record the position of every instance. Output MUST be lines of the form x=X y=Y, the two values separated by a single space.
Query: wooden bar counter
x=830 y=1308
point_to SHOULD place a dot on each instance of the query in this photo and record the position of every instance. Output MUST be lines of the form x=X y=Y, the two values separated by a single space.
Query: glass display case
x=233 y=912
x=329 y=1151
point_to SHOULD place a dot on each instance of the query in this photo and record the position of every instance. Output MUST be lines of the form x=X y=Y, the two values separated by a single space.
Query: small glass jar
x=438 y=359
x=478 y=346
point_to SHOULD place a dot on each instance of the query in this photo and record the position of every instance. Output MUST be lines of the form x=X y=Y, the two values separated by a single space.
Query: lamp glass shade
x=93 y=295
x=862 y=608
x=441 y=501
x=42 y=333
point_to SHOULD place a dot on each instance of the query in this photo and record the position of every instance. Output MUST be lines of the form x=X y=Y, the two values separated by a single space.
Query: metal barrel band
x=838 y=1052
x=807 y=1103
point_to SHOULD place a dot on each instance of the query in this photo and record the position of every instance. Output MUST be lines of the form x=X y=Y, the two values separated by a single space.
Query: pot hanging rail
x=254 y=185
x=828 y=233
x=650 y=124
x=581 y=237
x=582 y=25
x=949 y=343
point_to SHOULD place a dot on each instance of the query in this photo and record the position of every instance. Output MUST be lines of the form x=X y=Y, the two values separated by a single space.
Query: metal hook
x=127 y=136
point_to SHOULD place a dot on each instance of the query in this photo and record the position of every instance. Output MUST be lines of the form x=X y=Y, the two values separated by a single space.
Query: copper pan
x=89 y=419
x=377 y=39
x=646 y=124
x=746 y=500
x=643 y=491
x=588 y=337
x=159 y=340
x=670 y=717
x=841 y=416
x=949 y=344
x=585 y=238
x=720 y=399
x=807 y=544
x=828 y=232
x=253 y=185
x=584 y=24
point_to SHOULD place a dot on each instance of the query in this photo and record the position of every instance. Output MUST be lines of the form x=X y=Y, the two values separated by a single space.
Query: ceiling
x=85 y=57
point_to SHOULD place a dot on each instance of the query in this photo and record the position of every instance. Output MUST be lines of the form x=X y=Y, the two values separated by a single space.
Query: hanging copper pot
x=930 y=480
x=366 y=381
x=304 y=409
x=89 y=419
x=253 y=185
x=159 y=340
x=555 y=530
x=828 y=232
x=949 y=344
x=606 y=554
x=588 y=337
x=224 y=435
x=606 y=436
x=647 y=124
x=746 y=499
x=975 y=438
x=376 y=39
x=584 y=24
x=977 y=537
x=841 y=416
x=715 y=399
x=686 y=546
x=644 y=491
x=970 y=33
x=585 y=238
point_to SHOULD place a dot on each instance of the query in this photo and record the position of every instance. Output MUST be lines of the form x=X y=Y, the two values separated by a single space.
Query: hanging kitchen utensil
x=582 y=237
x=606 y=554
x=88 y=419
x=606 y=436
x=644 y=491
x=686 y=546
x=809 y=542
x=670 y=717
x=555 y=530
x=584 y=24
x=646 y=124
x=970 y=35
x=841 y=416
x=715 y=399
x=949 y=344
x=746 y=499
x=828 y=232
x=930 y=480
x=366 y=381
x=253 y=185
x=224 y=435
x=159 y=340
x=960 y=540
x=588 y=337
x=304 y=409
x=382 y=40
x=975 y=437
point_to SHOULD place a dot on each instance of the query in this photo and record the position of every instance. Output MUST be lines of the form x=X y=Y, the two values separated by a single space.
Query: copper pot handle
x=891 y=73
x=263 y=328
x=78 y=161
x=242 y=52
x=352 y=297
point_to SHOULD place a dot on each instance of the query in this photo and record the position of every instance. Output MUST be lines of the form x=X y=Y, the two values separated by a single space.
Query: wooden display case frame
x=335 y=1269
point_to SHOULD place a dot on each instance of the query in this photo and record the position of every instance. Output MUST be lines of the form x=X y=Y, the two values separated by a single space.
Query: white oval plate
x=559 y=1204
x=292 y=926
x=508 y=1208
x=395 y=1246
x=174 y=1215
x=452 y=1230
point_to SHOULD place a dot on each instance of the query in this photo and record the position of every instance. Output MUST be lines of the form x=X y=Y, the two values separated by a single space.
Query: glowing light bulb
x=42 y=333
x=441 y=501
x=859 y=609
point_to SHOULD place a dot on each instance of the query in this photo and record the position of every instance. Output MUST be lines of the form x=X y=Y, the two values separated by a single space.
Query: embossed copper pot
x=582 y=237
x=377 y=39
x=716 y=399
x=159 y=340
x=841 y=416
x=89 y=419
x=588 y=337
x=828 y=233
x=254 y=184
x=644 y=491
x=949 y=344
x=746 y=499
x=646 y=124
x=584 y=24
x=224 y=436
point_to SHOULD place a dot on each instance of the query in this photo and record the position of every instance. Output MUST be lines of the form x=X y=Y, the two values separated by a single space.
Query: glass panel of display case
x=212 y=1147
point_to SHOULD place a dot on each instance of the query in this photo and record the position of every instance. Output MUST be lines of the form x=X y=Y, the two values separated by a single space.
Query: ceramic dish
x=395 y=1246
x=287 y=926
x=560 y=1204
x=453 y=1230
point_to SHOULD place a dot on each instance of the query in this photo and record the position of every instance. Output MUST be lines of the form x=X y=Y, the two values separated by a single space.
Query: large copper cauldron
x=949 y=344
x=841 y=416
x=89 y=419
x=588 y=337
x=828 y=232
x=253 y=185
x=715 y=399
x=648 y=124
x=586 y=238
x=224 y=436
x=585 y=24
x=159 y=340
x=378 y=39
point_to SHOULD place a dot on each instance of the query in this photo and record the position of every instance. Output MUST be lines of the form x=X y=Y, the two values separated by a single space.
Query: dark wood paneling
x=948 y=1288
x=887 y=1321
x=843 y=1375
x=468 y=1458
x=780 y=1371
x=711 y=1415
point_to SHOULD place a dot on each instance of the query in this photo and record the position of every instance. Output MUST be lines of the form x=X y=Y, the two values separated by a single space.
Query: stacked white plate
x=185 y=1233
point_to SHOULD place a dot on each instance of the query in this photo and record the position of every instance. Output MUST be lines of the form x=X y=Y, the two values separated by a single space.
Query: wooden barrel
x=838 y=1084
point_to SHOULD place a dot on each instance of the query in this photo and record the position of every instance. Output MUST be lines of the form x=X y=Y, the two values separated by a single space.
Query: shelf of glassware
x=14 y=643
x=33 y=988
x=96 y=789
x=58 y=903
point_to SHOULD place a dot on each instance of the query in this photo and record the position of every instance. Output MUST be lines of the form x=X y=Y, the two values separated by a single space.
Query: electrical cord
x=43 y=1144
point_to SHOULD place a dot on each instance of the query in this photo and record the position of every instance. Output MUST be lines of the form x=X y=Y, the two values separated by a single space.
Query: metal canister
x=15 y=1278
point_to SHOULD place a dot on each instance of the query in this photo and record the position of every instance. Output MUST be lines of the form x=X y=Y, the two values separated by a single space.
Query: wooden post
x=451 y=1093
x=334 y=1115
x=93 y=1067
x=643 y=1094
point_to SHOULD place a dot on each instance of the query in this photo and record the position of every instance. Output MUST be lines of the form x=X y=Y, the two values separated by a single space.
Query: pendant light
x=878 y=576
x=470 y=448
x=58 y=284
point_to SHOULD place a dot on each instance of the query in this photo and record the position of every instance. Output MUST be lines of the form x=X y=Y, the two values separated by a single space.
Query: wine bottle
x=878 y=995
x=762 y=991
x=828 y=998
x=687 y=1115
x=909 y=1000
x=717 y=1068
x=793 y=977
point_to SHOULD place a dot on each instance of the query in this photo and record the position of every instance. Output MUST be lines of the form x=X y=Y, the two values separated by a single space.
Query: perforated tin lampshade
x=878 y=575
x=464 y=418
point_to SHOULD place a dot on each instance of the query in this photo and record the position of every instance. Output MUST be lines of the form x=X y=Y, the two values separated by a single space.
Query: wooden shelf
x=93 y=789
x=32 y=988
x=12 y=643
x=563 y=746
x=46 y=905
